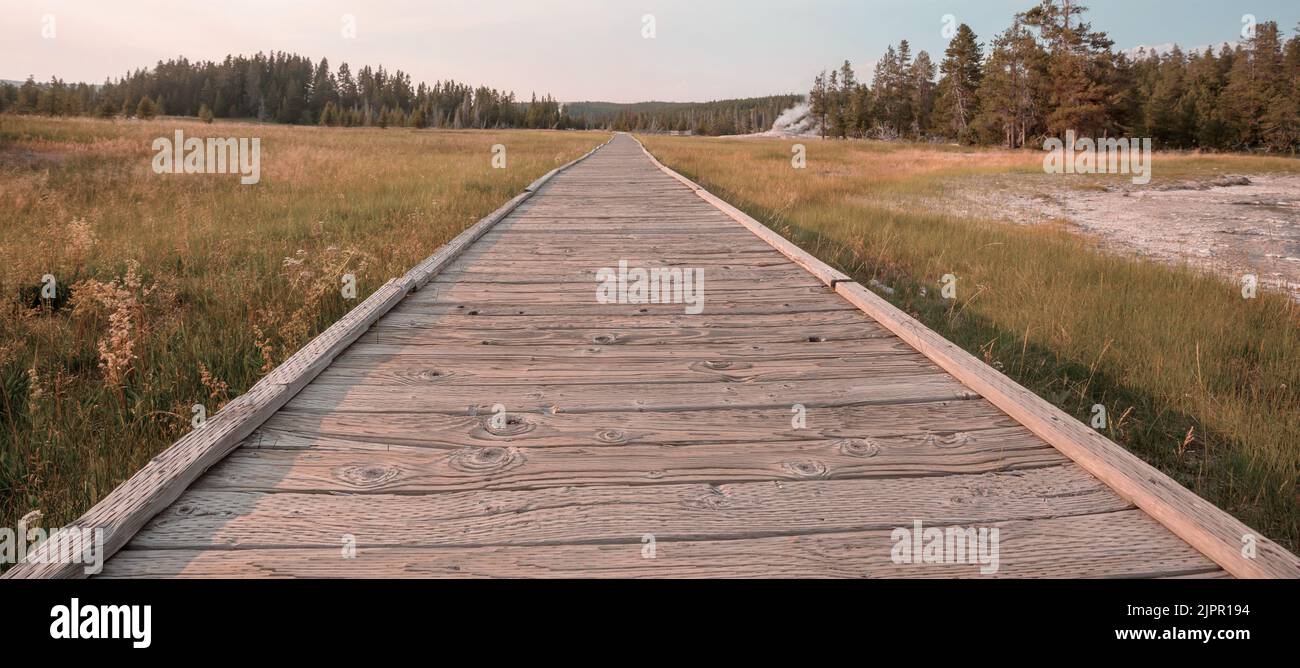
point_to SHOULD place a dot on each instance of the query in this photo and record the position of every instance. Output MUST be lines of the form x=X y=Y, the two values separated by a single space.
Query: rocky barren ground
x=1232 y=225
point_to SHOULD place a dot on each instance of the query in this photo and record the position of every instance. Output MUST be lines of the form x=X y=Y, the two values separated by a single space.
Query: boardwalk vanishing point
x=486 y=416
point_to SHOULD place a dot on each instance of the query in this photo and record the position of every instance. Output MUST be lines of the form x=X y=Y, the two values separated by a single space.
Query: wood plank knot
x=480 y=461
x=368 y=475
x=858 y=447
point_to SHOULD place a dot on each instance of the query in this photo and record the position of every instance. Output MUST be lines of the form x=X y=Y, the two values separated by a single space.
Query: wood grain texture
x=339 y=465
x=610 y=370
x=163 y=479
x=548 y=330
x=1086 y=546
x=949 y=423
x=120 y=514
x=499 y=422
x=1206 y=527
x=1218 y=535
x=616 y=513
x=575 y=398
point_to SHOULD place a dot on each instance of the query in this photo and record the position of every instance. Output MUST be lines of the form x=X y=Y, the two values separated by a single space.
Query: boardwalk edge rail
x=133 y=503
x=1206 y=527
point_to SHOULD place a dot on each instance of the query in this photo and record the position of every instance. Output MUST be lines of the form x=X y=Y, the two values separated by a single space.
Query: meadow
x=1199 y=381
x=177 y=290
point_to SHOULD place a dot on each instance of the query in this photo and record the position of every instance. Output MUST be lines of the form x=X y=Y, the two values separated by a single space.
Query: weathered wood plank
x=522 y=231
x=340 y=465
x=454 y=329
x=604 y=514
x=950 y=424
x=1207 y=528
x=404 y=316
x=569 y=294
x=595 y=370
x=639 y=256
x=1084 y=546
x=120 y=514
x=631 y=396
x=494 y=310
x=587 y=275
x=441 y=363
x=484 y=260
x=365 y=355
x=627 y=420
x=546 y=229
x=719 y=285
x=1217 y=534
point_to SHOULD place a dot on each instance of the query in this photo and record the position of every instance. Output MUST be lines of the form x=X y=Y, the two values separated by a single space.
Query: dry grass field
x=176 y=290
x=1199 y=381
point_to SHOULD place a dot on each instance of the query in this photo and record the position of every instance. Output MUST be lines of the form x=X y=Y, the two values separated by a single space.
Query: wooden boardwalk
x=639 y=440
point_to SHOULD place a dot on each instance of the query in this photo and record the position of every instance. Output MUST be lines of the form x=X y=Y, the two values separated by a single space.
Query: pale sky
x=573 y=49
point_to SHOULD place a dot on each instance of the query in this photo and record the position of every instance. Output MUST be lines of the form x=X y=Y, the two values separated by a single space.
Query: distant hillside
x=718 y=117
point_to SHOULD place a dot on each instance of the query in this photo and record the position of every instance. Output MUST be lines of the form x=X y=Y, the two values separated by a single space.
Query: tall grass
x=1198 y=381
x=178 y=290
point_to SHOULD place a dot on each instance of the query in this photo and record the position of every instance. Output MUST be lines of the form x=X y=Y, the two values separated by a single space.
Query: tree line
x=287 y=88
x=719 y=117
x=1050 y=72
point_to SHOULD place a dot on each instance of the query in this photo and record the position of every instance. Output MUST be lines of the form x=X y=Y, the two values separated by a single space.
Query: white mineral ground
x=1233 y=225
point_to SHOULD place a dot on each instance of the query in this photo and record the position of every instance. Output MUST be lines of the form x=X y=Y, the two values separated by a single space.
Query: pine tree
x=347 y=88
x=862 y=111
x=1282 y=119
x=1174 y=121
x=1012 y=96
x=1205 y=83
x=322 y=89
x=904 y=90
x=146 y=109
x=28 y=97
x=1078 y=68
x=1277 y=126
x=963 y=71
x=205 y=114
x=817 y=102
x=1059 y=22
x=921 y=75
x=843 y=112
x=46 y=101
x=834 y=114
x=207 y=96
x=885 y=93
